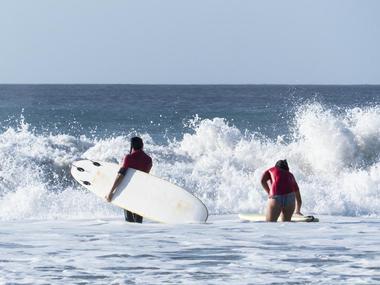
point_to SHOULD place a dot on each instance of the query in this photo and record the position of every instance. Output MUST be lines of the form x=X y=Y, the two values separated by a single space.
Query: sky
x=190 y=41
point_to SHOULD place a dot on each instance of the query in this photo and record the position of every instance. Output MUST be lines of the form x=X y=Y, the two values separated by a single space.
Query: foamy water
x=338 y=250
x=333 y=154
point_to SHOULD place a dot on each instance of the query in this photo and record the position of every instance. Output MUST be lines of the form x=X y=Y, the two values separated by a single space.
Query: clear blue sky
x=190 y=41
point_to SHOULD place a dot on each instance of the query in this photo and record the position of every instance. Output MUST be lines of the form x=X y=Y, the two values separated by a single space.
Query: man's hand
x=109 y=196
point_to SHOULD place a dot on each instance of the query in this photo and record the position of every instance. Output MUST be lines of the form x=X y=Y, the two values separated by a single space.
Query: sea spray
x=334 y=156
x=35 y=181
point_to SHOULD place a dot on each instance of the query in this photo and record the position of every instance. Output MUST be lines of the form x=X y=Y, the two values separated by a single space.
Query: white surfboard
x=253 y=217
x=141 y=193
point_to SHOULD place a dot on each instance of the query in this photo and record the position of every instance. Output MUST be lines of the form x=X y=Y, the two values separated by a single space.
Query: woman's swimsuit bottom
x=285 y=200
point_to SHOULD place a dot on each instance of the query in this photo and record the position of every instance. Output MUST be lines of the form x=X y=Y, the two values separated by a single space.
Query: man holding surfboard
x=283 y=192
x=136 y=159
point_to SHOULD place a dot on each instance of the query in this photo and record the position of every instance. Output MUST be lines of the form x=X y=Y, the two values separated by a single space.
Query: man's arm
x=264 y=181
x=118 y=180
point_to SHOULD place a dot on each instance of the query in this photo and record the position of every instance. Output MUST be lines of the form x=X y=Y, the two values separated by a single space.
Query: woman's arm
x=266 y=181
x=298 y=201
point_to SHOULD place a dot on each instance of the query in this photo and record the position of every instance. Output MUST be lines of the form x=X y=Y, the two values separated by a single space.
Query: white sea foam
x=337 y=250
x=334 y=155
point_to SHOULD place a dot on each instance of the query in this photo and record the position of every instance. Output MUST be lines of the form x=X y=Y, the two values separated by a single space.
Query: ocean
x=213 y=140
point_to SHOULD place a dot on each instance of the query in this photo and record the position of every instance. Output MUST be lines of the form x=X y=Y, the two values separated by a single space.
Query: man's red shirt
x=138 y=160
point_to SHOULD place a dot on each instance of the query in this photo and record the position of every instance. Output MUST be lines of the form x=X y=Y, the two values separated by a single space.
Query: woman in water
x=283 y=192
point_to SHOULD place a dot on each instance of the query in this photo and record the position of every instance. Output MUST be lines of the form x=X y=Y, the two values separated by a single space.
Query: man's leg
x=137 y=218
x=132 y=217
x=129 y=216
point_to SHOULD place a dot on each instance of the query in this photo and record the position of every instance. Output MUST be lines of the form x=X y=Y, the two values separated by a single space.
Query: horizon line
x=206 y=84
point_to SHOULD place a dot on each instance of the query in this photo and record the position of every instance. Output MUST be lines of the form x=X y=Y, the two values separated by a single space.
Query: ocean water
x=215 y=141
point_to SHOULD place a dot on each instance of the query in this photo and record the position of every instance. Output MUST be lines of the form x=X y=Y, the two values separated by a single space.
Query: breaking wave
x=334 y=155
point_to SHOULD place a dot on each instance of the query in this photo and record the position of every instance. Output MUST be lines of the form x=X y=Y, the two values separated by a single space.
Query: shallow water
x=337 y=250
